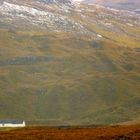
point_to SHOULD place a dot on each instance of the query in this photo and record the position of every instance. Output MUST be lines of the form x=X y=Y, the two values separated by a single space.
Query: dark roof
x=11 y=121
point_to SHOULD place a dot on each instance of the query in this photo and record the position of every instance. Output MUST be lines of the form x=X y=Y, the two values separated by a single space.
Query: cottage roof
x=11 y=121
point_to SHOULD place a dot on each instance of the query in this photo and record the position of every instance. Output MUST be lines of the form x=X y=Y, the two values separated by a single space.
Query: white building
x=12 y=123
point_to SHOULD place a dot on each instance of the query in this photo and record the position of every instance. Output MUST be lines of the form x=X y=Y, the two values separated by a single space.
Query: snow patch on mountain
x=41 y=18
x=8 y=7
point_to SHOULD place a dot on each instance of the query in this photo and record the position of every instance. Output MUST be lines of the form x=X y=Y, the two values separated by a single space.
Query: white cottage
x=12 y=123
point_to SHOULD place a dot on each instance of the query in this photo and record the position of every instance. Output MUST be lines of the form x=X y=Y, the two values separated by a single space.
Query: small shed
x=12 y=123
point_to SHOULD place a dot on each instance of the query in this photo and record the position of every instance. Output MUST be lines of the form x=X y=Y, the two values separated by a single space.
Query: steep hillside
x=78 y=65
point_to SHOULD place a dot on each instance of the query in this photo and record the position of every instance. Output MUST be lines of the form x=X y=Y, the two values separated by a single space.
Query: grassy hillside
x=61 y=78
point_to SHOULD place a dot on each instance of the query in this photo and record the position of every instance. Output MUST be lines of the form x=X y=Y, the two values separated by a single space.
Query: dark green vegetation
x=64 y=78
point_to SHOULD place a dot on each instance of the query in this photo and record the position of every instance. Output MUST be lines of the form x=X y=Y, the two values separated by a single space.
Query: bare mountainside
x=131 y=5
x=65 y=63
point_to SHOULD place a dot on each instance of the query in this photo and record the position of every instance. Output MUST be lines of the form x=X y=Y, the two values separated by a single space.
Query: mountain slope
x=85 y=71
x=131 y=5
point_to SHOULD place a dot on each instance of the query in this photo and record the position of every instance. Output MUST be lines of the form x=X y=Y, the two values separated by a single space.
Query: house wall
x=13 y=125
